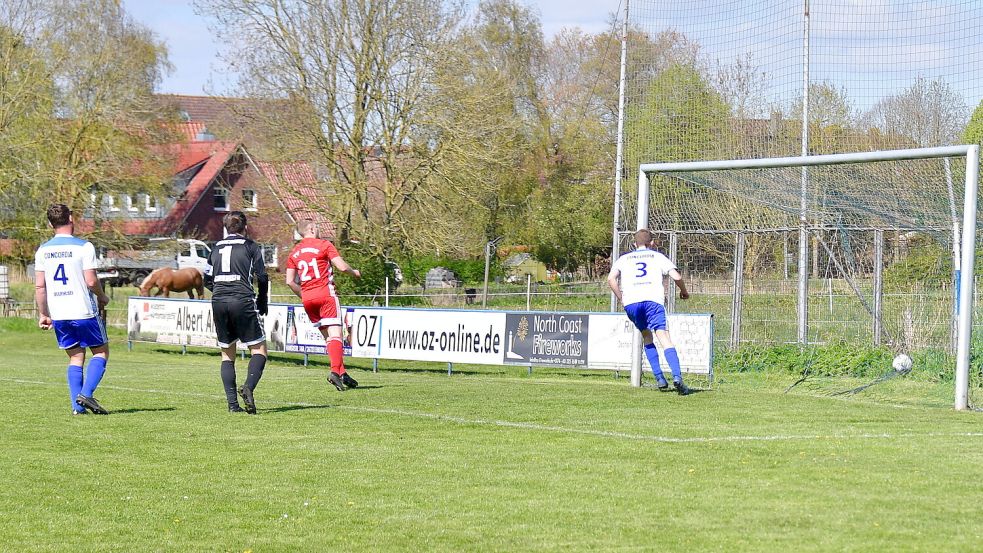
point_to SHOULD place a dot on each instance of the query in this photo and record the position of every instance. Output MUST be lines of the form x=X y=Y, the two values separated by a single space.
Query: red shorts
x=323 y=310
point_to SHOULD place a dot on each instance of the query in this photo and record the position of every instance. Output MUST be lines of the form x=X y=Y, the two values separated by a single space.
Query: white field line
x=548 y=428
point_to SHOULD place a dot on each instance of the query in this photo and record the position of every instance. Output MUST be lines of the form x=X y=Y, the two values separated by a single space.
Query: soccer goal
x=873 y=247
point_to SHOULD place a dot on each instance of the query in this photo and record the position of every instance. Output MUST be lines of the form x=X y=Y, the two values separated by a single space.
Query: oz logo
x=366 y=331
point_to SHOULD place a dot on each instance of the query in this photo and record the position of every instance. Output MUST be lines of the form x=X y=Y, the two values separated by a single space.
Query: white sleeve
x=38 y=261
x=667 y=264
x=617 y=264
x=88 y=256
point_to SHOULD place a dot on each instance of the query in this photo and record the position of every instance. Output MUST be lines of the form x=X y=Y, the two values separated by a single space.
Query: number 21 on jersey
x=305 y=267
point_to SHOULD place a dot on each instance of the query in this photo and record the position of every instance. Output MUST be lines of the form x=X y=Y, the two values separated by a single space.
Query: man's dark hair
x=643 y=237
x=58 y=215
x=235 y=222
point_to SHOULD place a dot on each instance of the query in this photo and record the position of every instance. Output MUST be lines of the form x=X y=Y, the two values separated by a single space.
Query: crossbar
x=806 y=161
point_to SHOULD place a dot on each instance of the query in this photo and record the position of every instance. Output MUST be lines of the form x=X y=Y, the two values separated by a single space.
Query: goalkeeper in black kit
x=234 y=264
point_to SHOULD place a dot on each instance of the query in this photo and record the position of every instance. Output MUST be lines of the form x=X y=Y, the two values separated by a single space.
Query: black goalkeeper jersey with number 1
x=235 y=262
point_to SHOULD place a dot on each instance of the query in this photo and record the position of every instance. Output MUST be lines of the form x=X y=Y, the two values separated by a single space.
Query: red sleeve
x=329 y=251
x=291 y=263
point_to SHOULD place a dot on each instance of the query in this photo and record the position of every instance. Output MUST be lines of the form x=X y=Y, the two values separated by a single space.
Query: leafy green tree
x=681 y=117
x=78 y=118
x=973 y=132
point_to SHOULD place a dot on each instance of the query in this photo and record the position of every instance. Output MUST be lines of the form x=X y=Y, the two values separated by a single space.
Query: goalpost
x=841 y=199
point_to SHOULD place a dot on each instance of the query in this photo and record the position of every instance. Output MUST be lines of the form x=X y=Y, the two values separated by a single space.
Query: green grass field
x=488 y=459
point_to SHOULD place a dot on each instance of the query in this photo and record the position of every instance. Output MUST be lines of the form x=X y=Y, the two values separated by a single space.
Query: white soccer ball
x=902 y=363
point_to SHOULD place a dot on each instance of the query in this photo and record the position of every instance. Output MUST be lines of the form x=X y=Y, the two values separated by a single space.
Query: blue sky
x=877 y=51
x=193 y=53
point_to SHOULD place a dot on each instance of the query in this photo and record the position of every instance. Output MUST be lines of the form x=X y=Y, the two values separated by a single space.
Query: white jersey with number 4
x=63 y=260
x=643 y=273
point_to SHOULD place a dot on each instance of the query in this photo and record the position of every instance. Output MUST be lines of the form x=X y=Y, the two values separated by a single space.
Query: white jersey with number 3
x=63 y=259
x=643 y=273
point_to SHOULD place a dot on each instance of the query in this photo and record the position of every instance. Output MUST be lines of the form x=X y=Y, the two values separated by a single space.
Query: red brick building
x=212 y=177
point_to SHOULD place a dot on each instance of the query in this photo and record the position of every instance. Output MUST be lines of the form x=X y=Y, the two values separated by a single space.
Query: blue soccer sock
x=653 y=356
x=93 y=374
x=673 y=360
x=75 y=386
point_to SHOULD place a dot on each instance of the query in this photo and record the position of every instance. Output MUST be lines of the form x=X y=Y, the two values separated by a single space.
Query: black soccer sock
x=257 y=362
x=229 y=381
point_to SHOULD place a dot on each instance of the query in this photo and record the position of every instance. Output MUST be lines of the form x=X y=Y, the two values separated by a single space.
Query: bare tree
x=929 y=113
x=359 y=78
x=742 y=85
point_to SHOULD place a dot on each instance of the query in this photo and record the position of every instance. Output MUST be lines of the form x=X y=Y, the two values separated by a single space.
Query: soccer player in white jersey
x=70 y=298
x=638 y=280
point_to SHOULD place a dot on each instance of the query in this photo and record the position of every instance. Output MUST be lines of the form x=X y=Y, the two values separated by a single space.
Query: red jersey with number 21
x=311 y=258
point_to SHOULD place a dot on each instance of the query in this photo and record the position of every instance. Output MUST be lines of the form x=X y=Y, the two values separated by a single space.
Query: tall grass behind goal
x=887 y=259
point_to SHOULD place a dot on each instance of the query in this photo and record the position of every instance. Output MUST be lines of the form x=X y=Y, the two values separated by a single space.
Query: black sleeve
x=208 y=275
x=262 y=279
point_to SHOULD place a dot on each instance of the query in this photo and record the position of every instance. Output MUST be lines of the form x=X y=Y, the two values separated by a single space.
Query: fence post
x=878 y=284
x=737 y=300
x=785 y=255
x=673 y=255
x=529 y=292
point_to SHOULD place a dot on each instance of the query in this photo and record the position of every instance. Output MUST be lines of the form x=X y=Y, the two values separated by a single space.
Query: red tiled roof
x=191 y=129
x=218 y=156
x=209 y=109
x=191 y=154
x=297 y=188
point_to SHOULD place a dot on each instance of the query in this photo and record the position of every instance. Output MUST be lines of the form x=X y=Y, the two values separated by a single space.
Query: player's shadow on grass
x=140 y=410
x=672 y=391
x=286 y=408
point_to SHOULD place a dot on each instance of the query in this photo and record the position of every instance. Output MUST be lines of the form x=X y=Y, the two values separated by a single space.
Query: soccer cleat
x=91 y=404
x=247 y=398
x=681 y=388
x=349 y=381
x=337 y=381
x=236 y=409
x=664 y=387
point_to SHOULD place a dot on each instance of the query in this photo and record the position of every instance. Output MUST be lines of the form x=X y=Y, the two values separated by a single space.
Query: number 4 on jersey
x=60 y=274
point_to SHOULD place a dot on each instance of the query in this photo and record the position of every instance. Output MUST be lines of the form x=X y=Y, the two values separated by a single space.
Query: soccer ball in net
x=902 y=363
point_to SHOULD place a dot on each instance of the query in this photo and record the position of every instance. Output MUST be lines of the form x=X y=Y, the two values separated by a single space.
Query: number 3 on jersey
x=642 y=269
x=60 y=274
x=304 y=266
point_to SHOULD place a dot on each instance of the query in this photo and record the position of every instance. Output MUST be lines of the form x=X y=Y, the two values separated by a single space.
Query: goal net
x=865 y=248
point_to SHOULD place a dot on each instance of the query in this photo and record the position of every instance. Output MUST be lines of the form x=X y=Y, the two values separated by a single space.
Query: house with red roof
x=210 y=178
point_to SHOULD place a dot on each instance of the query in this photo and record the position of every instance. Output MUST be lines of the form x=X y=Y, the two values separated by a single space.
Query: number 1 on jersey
x=226 y=254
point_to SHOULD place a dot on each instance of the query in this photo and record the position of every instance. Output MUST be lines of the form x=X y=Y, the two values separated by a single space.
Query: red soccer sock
x=336 y=352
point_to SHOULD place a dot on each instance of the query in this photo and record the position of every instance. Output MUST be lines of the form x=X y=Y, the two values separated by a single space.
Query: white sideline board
x=526 y=338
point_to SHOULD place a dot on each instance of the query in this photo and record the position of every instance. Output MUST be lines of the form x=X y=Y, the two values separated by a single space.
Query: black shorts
x=237 y=320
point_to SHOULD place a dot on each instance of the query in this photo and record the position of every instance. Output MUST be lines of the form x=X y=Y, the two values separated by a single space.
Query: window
x=221 y=199
x=250 y=202
x=269 y=254
x=110 y=201
x=132 y=202
x=150 y=203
